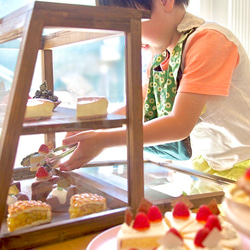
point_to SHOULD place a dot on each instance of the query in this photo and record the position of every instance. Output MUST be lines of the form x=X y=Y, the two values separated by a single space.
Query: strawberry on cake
x=43 y=184
x=144 y=231
x=179 y=229
x=202 y=229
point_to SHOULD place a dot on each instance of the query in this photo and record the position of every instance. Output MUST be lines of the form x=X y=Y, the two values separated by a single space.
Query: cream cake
x=38 y=109
x=43 y=184
x=91 y=107
x=142 y=231
x=24 y=214
x=203 y=230
x=86 y=203
x=38 y=159
x=236 y=203
x=59 y=197
x=179 y=229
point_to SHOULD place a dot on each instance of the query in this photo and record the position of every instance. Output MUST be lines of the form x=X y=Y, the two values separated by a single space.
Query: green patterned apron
x=161 y=92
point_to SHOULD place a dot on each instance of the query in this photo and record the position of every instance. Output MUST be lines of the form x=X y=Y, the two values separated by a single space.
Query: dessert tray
x=105 y=240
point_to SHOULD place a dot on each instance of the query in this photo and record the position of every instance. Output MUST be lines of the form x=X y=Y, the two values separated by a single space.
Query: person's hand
x=89 y=146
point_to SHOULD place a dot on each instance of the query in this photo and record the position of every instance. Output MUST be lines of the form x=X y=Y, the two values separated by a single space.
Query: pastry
x=59 y=197
x=86 y=203
x=91 y=107
x=43 y=184
x=24 y=214
x=38 y=109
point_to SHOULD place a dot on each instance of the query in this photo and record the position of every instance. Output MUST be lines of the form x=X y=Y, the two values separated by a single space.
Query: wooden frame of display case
x=76 y=21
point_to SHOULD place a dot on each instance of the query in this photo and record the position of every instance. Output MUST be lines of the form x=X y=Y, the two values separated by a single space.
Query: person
x=211 y=105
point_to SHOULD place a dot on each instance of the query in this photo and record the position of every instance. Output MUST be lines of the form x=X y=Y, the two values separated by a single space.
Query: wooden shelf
x=76 y=23
x=64 y=120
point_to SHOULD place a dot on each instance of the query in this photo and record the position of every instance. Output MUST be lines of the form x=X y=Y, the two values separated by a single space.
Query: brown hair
x=136 y=4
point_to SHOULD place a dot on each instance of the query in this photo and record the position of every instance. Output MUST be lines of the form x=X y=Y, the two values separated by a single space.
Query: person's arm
x=173 y=127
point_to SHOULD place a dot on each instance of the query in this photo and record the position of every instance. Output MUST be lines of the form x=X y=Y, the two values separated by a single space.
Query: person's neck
x=173 y=20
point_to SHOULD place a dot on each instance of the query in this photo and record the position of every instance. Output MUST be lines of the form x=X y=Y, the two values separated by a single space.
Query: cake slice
x=86 y=203
x=91 y=107
x=144 y=231
x=38 y=109
x=24 y=214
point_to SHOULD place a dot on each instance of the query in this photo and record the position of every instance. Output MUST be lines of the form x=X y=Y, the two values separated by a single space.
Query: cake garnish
x=213 y=206
x=42 y=173
x=144 y=206
x=172 y=239
x=200 y=237
x=203 y=213
x=213 y=222
x=206 y=238
x=128 y=216
x=154 y=214
x=247 y=174
x=181 y=211
x=45 y=93
x=43 y=150
x=141 y=222
x=184 y=200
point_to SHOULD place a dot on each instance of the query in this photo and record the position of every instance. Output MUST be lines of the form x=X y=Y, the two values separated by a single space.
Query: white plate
x=106 y=240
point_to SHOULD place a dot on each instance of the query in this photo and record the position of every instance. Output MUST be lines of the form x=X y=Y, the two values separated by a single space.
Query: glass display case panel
x=8 y=58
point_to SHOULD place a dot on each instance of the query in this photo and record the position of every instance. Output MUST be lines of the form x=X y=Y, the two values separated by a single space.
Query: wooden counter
x=79 y=243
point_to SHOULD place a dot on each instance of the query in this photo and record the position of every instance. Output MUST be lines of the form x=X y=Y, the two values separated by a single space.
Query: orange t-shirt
x=208 y=64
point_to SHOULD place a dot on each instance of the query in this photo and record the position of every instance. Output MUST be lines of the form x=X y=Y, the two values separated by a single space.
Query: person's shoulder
x=215 y=30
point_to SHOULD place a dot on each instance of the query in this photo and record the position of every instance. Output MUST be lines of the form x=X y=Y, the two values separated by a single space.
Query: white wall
x=233 y=14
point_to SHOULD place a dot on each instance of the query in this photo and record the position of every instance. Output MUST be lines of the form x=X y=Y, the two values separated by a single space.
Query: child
x=211 y=72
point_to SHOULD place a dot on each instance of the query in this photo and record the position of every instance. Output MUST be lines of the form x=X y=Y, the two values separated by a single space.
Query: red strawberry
x=141 y=222
x=203 y=213
x=43 y=149
x=200 y=236
x=128 y=216
x=154 y=214
x=42 y=172
x=174 y=231
x=181 y=211
x=213 y=221
x=247 y=174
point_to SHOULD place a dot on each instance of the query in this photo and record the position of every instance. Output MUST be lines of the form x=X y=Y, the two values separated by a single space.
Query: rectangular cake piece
x=38 y=109
x=91 y=107
x=24 y=214
x=86 y=203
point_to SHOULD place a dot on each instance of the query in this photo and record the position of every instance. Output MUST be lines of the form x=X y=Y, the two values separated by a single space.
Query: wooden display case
x=75 y=23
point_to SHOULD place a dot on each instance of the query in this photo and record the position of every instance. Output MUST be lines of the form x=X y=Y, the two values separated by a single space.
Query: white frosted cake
x=236 y=204
x=201 y=230
x=91 y=107
x=143 y=231
x=38 y=109
x=178 y=230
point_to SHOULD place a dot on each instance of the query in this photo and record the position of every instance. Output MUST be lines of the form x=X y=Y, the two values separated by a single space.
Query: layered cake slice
x=143 y=231
x=24 y=214
x=86 y=203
